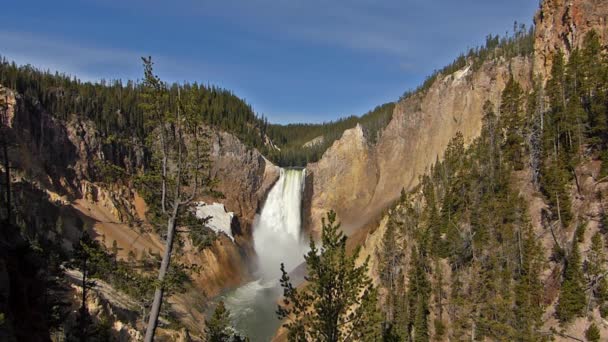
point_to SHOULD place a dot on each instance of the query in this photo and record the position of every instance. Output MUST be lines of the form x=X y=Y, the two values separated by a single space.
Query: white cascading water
x=277 y=239
x=276 y=232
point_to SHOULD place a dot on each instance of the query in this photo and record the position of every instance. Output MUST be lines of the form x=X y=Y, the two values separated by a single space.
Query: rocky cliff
x=60 y=155
x=63 y=161
x=562 y=25
x=364 y=178
x=244 y=176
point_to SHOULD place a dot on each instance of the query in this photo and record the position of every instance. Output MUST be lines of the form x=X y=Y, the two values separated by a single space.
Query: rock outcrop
x=562 y=25
x=314 y=142
x=423 y=124
x=244 y=176
x=7 y=103
x=363 y=179
x=64 y=159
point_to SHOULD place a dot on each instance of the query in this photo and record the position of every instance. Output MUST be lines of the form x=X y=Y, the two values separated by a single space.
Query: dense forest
x=459 y=256
x=305 y=143
x=115 y=108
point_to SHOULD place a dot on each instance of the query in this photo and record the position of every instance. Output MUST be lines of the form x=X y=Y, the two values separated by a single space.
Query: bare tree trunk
x=83 y=308
x=554 y=237
x=164 y=174
x=521 y=257
x=164 y=267
x=473 y=331
x=559 y=212
x=7 y=181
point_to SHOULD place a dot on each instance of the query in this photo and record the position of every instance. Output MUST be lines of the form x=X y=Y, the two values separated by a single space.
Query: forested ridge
x=291 y=138
x=520 y=42
x=115 y=108
x=460 y=257
x=114 y=105
x=297 y=144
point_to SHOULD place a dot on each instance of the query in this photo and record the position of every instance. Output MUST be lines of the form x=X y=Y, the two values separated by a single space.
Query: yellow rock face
x=358 y=180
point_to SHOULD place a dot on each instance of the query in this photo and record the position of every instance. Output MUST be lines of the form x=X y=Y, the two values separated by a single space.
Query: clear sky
x=293 y=60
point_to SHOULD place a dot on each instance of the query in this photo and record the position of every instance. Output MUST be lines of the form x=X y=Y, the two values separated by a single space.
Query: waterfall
x=276 y=231
x=277 y=239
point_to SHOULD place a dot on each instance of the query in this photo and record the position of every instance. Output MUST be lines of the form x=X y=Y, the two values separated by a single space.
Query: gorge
x=277 y=239
x=477 y=201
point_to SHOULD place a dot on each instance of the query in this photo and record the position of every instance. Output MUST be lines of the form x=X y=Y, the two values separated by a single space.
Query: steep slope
x=244 y=176
x=72 y=167
x=364 y=178
x=461 y=231
x=423 y=124
x=562 y=25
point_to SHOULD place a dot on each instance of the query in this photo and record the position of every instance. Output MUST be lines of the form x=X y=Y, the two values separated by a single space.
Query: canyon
x=273 y=210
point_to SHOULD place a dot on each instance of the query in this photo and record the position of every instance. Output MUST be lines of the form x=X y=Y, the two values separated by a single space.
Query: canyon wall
x=244 y=176
x=61 y=160
x=562 y=25
x=358 y=179
x=363 y=179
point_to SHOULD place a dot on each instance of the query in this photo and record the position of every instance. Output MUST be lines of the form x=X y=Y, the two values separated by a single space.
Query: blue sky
x=293 y=60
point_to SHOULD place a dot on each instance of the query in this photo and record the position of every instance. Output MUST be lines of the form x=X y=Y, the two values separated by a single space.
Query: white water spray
x=276 y=231
x=277 y=239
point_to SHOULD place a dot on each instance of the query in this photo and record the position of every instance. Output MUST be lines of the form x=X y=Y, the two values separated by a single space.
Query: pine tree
x=489 y=144
x=557 y=142
x=397 y=330
x=218 y=326
x=336 y=303
x=115 y=250
x=511 y=118
x=181 y=153
x=421 y=328
x=418 y=296
x=462 y=308
x=83 y=257
x=592 y=334
x=529 y=290
x=389 y=268
x=572 y=299
x=596 y=270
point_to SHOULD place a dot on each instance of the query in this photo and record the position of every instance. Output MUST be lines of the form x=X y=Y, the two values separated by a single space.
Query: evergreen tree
x=418 y=297
x=115 y=250
x=397 y=330
x=596 y=270
x=511 y=117
x=592 y=334
x=181 y=156
x=489 y=144
x=336 y=304
x=390 y=265
x=529 y=290
x=421 y=329
x=555 y=173
x=218 y=326
x=572 y=299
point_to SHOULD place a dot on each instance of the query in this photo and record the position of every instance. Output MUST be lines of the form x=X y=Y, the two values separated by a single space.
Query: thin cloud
x=351 y=38
x=90 y=63
x=297 y=56
x=70 y=57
